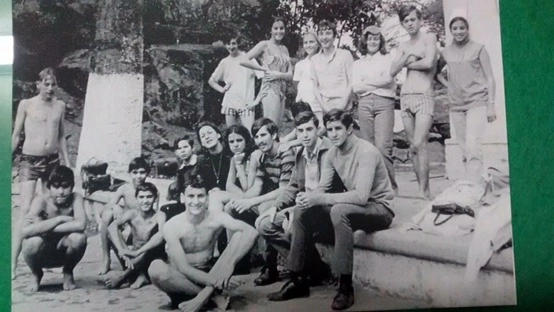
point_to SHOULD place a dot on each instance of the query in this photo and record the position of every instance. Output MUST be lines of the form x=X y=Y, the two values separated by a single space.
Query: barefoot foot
x=105 y=267
x=68 y=282
x=37 y=278
x=115 y=282
x=139 y=282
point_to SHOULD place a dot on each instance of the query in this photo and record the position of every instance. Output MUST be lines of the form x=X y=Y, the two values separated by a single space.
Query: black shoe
x=344 y=299
x=321 y=276
x=267 y=277
x=292 y=289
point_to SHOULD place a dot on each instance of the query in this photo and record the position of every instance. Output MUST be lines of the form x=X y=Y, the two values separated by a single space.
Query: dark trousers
x=333 y=223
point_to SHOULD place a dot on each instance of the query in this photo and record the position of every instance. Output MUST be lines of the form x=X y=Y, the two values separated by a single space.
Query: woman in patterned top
x=276 y=65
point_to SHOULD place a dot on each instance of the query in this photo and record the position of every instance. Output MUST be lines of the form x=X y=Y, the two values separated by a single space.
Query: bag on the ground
x=449 y=210
x=94 y=176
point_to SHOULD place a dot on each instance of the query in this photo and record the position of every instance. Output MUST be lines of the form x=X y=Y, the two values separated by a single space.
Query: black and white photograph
x=259 y=155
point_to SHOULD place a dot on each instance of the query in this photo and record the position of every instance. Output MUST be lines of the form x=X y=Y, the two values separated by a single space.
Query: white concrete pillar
x=112 y=122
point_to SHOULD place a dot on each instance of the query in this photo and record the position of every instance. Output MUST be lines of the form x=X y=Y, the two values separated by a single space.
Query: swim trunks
x=412 y=104
x=31 y=167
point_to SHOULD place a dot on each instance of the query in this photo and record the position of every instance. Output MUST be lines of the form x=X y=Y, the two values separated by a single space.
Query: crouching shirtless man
x=53 y=229
x=146 y=242
x=190 y=237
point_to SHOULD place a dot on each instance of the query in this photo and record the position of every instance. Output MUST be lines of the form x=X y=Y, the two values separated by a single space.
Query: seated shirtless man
x=53 y=229
x=138 y=170
x=144 y=227
x=192 y=272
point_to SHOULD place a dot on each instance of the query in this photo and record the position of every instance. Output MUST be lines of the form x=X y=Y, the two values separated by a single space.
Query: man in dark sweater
x=365 y=205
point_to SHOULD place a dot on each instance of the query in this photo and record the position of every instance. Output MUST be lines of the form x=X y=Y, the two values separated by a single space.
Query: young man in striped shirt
x=273 y=172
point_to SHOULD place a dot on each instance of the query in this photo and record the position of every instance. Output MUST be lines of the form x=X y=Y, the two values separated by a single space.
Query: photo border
x=527 y=30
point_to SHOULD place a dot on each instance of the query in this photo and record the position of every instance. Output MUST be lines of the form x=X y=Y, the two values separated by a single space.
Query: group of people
x=320 y=183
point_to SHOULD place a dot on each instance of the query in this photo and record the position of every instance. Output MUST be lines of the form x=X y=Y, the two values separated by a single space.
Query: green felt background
x=528 y=53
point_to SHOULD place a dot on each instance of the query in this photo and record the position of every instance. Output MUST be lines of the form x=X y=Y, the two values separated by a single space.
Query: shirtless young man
x=53 y=229
x=190 y=241
x=419 y=56
x=144 y=227
x=138 y=169
x=41 y=118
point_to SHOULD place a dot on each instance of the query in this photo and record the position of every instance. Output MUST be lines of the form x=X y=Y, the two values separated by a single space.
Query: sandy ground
x=91 y=295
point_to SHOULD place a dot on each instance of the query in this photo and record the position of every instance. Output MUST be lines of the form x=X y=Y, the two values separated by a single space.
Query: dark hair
x=406 y=10
x=61 y=176
x=185 y=137
x=325 y=24
x=147 y=187
x=233 y=36
x=304 y=117
x=138 y=163
x=457 y=19
x=362 y=45
x=173 y=191
x=203 y=124
x=279 y=19
x=340 y=115
x=47 y=72
x=260 y=123
x=299 y=107
x=195 y=181
x=245 y=134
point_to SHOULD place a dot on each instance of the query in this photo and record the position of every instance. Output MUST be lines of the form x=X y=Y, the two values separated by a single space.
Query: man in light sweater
x=366 y=205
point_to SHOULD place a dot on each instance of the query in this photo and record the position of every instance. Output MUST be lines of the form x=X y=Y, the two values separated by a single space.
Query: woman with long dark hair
x=277 y=68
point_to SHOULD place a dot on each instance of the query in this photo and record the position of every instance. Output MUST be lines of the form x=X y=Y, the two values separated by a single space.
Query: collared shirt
x=191 y=162
x=375 y=69
x=312 y=166
x=333 y=73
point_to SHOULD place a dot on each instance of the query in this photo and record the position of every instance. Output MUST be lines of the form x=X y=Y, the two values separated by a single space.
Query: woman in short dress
x=277 y=68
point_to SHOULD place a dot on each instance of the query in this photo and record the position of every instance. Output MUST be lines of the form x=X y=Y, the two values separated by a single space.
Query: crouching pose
x=192 y=272
x=53 y=229
x=146 y=245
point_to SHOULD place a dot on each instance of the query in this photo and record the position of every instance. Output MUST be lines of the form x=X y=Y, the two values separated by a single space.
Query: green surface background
x=528 y=54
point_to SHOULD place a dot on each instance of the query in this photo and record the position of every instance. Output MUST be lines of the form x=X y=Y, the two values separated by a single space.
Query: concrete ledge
x=424 y=246
x=420 y=266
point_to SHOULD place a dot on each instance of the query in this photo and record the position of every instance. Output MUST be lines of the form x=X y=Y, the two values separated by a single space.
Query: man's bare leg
x=119 y=279
x=31 y=247
x=236 y=249
x=75 y=245
x=107 y=218
x=172 y=282
x=423 y=123
x=218 y=199
x=26 y=195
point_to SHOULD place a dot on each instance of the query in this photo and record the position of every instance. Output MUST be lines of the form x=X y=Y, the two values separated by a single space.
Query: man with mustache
x=419 y=56
x=273 y=170
x=305 y=177
x=41 y=119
